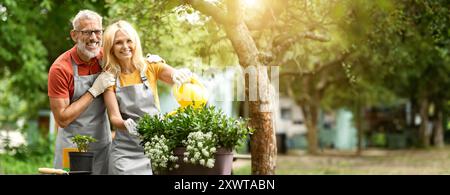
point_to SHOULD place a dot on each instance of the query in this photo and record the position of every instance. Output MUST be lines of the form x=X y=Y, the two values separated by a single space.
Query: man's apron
x=93 y=121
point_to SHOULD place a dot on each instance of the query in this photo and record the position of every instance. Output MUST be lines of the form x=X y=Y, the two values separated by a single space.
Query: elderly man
x=74 y=87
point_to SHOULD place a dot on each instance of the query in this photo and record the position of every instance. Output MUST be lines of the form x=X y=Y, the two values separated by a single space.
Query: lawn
x=11 y=165
x=371 y=162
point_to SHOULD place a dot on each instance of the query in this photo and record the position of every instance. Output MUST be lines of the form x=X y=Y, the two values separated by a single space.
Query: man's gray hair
x=85 y=14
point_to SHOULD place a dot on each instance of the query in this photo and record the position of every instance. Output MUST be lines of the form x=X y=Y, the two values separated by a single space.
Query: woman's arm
x=166 y=74
x=113 y=108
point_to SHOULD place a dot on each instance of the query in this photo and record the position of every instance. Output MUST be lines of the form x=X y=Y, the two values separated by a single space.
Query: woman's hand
x=181 y=76
x=131 y=127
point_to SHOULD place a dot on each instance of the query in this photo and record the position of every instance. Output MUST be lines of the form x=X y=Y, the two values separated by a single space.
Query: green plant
x=82 y=142
x=201 y=130
x=200 y=148
x=27 y=158
x=158 y=150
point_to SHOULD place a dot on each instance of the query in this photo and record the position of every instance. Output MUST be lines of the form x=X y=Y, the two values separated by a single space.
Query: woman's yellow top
x=152 y=72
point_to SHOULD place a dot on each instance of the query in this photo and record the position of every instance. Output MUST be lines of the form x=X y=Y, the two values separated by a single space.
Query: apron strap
x=117 y=83
x=144 y=80
x=101 y=63
x=74 y=67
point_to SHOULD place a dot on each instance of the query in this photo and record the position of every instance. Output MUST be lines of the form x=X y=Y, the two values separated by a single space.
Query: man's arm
x=65 y=112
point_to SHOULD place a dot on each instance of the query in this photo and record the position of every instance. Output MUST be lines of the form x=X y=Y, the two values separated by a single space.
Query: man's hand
x=181 y=76
x=154 y=59
x=103 y=81
x=131 y=127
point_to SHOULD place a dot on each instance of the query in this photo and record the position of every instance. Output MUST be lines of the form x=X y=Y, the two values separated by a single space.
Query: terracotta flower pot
x=222 y=166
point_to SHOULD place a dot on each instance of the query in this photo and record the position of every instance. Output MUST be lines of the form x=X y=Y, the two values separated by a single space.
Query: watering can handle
x=193 y=80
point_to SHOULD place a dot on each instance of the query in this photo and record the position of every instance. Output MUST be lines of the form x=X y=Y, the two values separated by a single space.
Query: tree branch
x=314 y=36
x=283 y=43
x=332 y=63
x=209 y=9
x=235 y=11
x=269 y=17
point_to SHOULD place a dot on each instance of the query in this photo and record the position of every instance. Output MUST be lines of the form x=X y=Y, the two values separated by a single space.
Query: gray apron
x=127 y=155
x=93 y=121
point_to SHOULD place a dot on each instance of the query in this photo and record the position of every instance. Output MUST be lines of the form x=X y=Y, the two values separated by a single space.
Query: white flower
x=159 y=153
x=162 y=164
x=202 y=162
x=205 y=153
x=197 y=155
x=212 y=150
x=210 y=163
x=185 y=159
x=200 y=144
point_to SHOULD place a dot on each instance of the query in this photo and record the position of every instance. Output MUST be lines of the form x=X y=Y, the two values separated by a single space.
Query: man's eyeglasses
x=89 y=32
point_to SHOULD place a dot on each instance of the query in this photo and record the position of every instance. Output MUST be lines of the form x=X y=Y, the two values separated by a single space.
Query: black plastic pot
x=81 y=161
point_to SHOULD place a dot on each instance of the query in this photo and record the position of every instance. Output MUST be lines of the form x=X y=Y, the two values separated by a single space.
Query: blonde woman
x=134 y=94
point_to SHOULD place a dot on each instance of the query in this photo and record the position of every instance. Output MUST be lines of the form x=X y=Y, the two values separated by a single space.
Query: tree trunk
x=358 y=121
x=310 y=113
x=263 y=141
x=312 y=130
x=438 y=138
x=424 y=137
x=413 y=112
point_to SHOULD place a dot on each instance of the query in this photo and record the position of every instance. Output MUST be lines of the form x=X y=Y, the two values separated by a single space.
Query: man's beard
x=81 y=46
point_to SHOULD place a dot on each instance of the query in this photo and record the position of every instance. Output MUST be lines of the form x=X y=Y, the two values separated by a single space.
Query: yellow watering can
x=192 y=93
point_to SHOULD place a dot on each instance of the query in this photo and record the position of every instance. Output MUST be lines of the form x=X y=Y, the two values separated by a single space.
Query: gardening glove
x=180 y=76
x=103 y=81
x=154 y=59
x=131 y=127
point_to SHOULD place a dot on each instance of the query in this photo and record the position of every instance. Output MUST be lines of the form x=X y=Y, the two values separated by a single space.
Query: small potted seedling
x=82 y=160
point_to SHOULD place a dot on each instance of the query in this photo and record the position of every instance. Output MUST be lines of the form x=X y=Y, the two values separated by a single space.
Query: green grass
x=244 y=170
x=10 y=165
x=26 y=159
x=372 y=162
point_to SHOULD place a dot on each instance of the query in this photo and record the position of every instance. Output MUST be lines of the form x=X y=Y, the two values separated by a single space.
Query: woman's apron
x=93 y=122
x=127 y=155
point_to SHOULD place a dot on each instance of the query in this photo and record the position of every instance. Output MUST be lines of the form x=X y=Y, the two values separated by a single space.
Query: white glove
x=103 y=81
x=181 y=76
x=154 y=59
x=131 y=127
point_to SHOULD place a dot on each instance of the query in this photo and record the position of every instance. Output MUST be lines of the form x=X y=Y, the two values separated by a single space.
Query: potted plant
x=82 y=160
x=193 y=140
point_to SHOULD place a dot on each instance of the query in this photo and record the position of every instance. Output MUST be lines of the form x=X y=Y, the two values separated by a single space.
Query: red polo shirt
x=60 y=75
